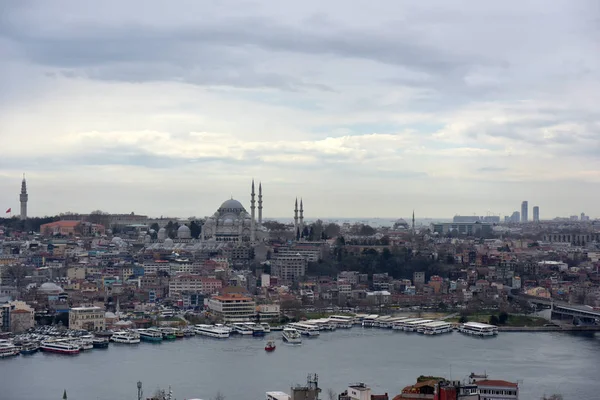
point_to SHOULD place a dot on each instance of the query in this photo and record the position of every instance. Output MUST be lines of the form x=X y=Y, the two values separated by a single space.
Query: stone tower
x=23 y=197
x=252 y=214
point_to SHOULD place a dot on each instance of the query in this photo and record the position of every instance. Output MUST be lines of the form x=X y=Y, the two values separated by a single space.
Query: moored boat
x=30 y=348
x=60 y=346
x=270 y=346
x=150 y=335
x=291 y=335
x=218 y=332
x=100 y=343
x=8 y=349
x=168 y=334
x=125 y=337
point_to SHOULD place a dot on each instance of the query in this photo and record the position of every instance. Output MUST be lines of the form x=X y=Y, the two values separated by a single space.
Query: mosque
x=231 y=223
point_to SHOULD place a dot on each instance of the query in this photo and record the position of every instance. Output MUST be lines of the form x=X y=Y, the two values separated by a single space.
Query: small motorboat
x=270 y=346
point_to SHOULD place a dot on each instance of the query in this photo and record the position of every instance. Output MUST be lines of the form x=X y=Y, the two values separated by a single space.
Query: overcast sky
x=363 y=108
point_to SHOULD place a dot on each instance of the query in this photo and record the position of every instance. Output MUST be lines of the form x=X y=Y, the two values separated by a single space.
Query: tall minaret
x=301 y=217
x=413 y=221
x=296 y=218
x=259 y=203
x=23 y=197
x=252 y=214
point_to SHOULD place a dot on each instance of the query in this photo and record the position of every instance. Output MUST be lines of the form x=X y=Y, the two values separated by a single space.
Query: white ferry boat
x=399 y=325
x=241 y=328
x=8 y=350
x=125 y=337
x=305 y=329
x=435 y=328
x=414 y=326
x=85 y=343
x=478 y=329
x=150 y=335
x=266 y=327
x=291 y=335
x=211 y=331
x=369 y=320
x=341 y=321
x=60 y=346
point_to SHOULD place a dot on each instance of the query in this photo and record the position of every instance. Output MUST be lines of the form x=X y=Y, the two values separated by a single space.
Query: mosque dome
x=162 y=234
x=147 y=238
x=168 y=242
x=184 y=232
x=50 y=287
x=232 y=205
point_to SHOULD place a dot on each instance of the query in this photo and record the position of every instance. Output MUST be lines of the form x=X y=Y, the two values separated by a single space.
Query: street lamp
x=139 y=387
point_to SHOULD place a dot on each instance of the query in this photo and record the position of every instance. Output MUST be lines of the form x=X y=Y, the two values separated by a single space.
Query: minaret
x=296 y=218
x=301 y=217
x=259 y=203
x=23 y=197
x=413 y=221
x=252 y=214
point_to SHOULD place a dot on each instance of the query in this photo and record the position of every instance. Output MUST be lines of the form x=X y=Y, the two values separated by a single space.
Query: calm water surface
x=239 y=368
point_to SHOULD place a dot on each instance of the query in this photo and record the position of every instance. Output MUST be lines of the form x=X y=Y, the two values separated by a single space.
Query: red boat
x=270 y=346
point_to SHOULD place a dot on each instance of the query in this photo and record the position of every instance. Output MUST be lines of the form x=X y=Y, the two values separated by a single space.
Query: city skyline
x=23 y=198
x=363 y=111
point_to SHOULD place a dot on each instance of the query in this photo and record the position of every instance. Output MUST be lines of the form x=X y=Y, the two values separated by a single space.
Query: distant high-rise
x=515 y=217
x=524 y=210
x=536 y=214
x=23 y=197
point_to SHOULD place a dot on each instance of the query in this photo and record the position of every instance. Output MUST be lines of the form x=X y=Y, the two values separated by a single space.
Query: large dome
x=50 y=287
x=232 y=205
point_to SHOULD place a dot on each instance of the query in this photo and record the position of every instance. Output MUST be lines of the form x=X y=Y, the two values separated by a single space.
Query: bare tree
x=331 y=394
x=219 y=396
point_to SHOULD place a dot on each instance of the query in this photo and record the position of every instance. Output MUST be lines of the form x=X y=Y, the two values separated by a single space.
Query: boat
x=100 y=343
x=60 y=346
x=178 y=333
x=257 y=329
x=241 y=328
x=8 y=349
x=478 y=329
x=85 y=343
x=189 y=331
x=125 y=337
x=266 y=327
x=150 y=335
x=167 y=334
x=305 y=329
x=291 y=335
x=270 y=346
x=218 y=332
x=30 y=348
x=435 y=328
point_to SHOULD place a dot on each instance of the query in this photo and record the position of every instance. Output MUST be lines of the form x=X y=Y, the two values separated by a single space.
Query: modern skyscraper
x=524 y=210
x=23 y=197
x=536 y=214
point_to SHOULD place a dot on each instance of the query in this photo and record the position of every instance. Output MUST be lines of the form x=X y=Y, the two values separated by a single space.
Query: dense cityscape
x=82 y=280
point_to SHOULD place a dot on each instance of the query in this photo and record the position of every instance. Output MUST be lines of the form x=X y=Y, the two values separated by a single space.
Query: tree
x=332 y=230
x=155 y=226
x=331 y=394
x=463 y=319
x=494 y=320
x=503 y=318
x=195 y=229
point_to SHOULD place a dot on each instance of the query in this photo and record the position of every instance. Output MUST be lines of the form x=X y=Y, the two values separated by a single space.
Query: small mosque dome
x=184 y=232
x=162 y=234
x=169 y=242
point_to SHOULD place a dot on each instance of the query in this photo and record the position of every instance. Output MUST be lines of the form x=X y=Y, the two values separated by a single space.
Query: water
x=240 y=369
